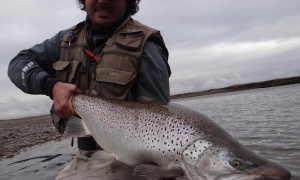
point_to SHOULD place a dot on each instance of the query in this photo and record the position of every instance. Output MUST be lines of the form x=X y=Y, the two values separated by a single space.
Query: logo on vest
x=113 y=74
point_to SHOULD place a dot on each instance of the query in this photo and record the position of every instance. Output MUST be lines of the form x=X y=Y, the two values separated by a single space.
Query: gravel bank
x=21 y=134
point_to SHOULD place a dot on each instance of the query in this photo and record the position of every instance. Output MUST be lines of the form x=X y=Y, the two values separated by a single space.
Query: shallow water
x=265 y=120
x=41 y=163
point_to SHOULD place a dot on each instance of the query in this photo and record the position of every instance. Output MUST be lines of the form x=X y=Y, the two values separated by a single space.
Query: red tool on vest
x=91 y=55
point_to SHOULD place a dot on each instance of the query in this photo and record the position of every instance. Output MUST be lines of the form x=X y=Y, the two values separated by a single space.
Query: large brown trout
x=168 y=140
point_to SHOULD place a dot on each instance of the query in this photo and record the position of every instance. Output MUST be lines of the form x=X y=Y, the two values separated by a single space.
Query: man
x=108 y=55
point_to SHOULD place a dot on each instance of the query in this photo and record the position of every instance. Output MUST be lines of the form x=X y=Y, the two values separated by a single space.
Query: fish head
x=204 y=160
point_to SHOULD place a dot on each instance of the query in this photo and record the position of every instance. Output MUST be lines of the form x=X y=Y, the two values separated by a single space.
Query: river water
x=265 y=120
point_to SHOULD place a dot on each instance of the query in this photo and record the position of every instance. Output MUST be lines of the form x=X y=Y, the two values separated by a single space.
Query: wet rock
x=9 y=156
x=25 y=145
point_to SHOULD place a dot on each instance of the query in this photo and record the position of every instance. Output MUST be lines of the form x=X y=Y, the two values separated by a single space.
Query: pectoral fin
x=76 y=128
x=102 y=155
x=157 y=171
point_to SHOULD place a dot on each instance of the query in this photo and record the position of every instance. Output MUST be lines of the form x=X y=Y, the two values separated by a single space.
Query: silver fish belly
x=182 y=142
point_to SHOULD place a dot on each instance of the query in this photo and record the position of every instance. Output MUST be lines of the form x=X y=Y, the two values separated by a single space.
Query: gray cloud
x=212 y=44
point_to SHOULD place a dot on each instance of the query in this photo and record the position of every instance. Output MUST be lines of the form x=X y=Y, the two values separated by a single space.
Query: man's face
x=105 y=12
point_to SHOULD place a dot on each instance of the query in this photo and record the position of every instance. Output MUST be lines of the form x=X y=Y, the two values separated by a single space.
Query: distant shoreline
x=233 y=88
x=240 y=87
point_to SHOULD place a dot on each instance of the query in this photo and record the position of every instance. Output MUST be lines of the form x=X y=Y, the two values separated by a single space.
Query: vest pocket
x=62 y=70
x=114 y=83
x=111 y=75
x=67 y=71
x=76 y=69
x=131 y=41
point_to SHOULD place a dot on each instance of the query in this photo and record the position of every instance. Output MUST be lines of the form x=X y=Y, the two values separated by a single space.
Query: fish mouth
x=273 y=178
x=265 y=172
x=272 y=172
x=251 y=177
x=238 y=176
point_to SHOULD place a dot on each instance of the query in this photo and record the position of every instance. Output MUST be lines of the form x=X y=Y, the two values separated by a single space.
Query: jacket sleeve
x=31 y=70
x=153 y=75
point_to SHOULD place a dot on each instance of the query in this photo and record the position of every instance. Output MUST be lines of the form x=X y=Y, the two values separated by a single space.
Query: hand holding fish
x=62 y=95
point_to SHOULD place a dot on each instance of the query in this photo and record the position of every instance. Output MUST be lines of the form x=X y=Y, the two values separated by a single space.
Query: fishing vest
x=117 y=65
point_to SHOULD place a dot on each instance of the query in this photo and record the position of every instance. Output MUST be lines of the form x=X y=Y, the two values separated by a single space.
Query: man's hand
x=62 y=96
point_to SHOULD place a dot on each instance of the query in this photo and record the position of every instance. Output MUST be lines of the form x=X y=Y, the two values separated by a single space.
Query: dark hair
x=133 y=6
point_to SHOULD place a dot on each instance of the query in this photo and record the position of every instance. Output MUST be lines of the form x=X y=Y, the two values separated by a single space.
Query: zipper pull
x=70 y=38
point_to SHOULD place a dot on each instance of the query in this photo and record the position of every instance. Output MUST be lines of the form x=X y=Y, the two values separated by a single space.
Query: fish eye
x=237 y=164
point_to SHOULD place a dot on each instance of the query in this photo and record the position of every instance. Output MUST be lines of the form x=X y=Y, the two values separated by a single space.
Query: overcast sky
x=212 y=44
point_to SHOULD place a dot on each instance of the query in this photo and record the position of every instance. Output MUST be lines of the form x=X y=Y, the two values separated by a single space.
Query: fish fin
x=118 y=166
x=144 y=99
x=157 y=171
x=123 y=171
x=101 y=155
x=76 y=128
